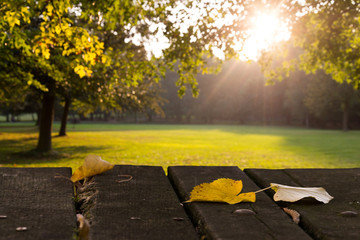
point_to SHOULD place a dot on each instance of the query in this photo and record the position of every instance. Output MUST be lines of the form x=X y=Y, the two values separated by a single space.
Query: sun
x=266 y=29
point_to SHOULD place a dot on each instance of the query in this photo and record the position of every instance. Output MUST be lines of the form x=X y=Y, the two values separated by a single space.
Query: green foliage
x=327 y=32
x=295 y=93
x=326 y=98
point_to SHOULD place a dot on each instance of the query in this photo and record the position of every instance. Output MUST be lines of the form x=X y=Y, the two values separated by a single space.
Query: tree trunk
x=13 y=117
x=149 y=115
x=38 y=114
x=46 y=121
x=64 y=117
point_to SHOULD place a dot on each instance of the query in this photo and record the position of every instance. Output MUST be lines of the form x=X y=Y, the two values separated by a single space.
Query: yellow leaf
x=68 y=32
x=80 y=70
x=103 y=59
x=58 y=29
x=92 y=165
x=221 y=190
x=49 y=8
x=46 y=53
x=88 y=71
x=84 y=227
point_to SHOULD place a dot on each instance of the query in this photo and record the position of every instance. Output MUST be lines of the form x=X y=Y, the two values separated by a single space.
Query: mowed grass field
x=165 y=145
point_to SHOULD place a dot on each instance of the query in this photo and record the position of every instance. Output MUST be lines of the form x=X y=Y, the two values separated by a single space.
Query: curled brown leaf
x=293 y=214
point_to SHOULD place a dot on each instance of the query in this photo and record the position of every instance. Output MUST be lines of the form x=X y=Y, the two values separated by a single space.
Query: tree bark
x=149 y=115
x=46 y=121
x=38 y=114
x=64 y=117
x=13 y=117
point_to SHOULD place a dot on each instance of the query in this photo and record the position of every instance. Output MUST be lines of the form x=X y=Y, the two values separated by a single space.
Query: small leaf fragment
x=84 y=227
x=92 y=165
x=349 y=214
x=293 y=214
x=244 y=212
x=21 y=229
x=221 y=190
x=293 y=194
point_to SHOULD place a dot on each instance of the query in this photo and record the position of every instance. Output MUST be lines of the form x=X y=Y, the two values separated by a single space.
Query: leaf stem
x=261 y=190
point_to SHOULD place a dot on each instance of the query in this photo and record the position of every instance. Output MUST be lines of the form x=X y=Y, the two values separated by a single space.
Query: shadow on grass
x=33 y=157
x=9 y=146
x=19 y=129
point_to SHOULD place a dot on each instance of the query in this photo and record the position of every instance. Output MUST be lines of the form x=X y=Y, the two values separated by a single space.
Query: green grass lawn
x=164 y=145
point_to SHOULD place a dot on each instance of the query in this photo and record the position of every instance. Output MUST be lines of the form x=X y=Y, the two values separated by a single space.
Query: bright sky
x=265 y=30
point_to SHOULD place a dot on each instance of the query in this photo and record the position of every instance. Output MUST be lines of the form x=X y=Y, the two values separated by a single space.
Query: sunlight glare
x=266 y=29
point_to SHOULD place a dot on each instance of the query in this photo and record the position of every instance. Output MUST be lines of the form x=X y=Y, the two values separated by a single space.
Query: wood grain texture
x=321 y=221
x=36 y=203
x=217 y=220
x=144 y=208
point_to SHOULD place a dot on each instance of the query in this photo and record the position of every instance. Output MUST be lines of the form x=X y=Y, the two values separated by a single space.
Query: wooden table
x=34 y=204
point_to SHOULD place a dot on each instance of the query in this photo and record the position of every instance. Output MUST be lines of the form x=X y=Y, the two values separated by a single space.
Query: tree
x=327 y=33
x=44 y=39
x=326 y=38
x=57 y=38
x=295 y=93
x=329 y=100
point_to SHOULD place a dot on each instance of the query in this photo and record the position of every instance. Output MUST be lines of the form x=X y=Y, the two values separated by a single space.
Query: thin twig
x=58 y=175
x=125 y=180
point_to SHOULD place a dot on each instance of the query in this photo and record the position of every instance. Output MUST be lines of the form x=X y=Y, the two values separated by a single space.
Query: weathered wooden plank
x=217 y=220
x=36 y=205
x=144 y=208
x=322 y=221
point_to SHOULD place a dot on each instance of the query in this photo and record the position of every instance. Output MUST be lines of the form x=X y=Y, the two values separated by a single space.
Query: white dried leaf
x=293 y=194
